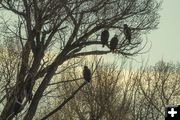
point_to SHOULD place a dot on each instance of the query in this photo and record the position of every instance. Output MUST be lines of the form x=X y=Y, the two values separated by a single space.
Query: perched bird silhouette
x=104 y=37
x=127 y=32
x=87 y=74
x=113 y=43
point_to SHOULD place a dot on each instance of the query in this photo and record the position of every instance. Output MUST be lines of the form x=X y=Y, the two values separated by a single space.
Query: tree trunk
x=38 y=95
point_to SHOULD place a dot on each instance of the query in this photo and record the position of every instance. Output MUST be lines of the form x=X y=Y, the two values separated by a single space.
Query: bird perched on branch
x=87 y=74
x=104 y=37
x=113 y=43
x=127 y=32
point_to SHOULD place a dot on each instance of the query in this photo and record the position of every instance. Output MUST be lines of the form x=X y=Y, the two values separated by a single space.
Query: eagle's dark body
x=127 y=32
x=113 y=43
x=104 y=37
x=87 y=74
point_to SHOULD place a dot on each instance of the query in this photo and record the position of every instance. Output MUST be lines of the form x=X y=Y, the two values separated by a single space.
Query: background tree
x=119 y=93
x=104 y=98
x=68 y=28
x=159 y=86
x=8 y=68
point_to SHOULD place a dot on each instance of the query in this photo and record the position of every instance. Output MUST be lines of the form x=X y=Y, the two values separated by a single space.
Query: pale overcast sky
x=166 y=39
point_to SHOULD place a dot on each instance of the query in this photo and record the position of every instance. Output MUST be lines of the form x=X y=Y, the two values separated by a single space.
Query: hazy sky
x=166 y=39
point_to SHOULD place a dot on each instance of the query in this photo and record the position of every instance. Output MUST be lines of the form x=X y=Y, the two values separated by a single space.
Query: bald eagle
x=127 y=32
x=113 y=43
x=87 y=74
x=104 y=37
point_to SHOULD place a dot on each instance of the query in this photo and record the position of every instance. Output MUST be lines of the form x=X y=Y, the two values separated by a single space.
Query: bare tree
x=104 y=98
x=158 y=86
x=8 y=68
x=67 y=27
x=118 y=93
